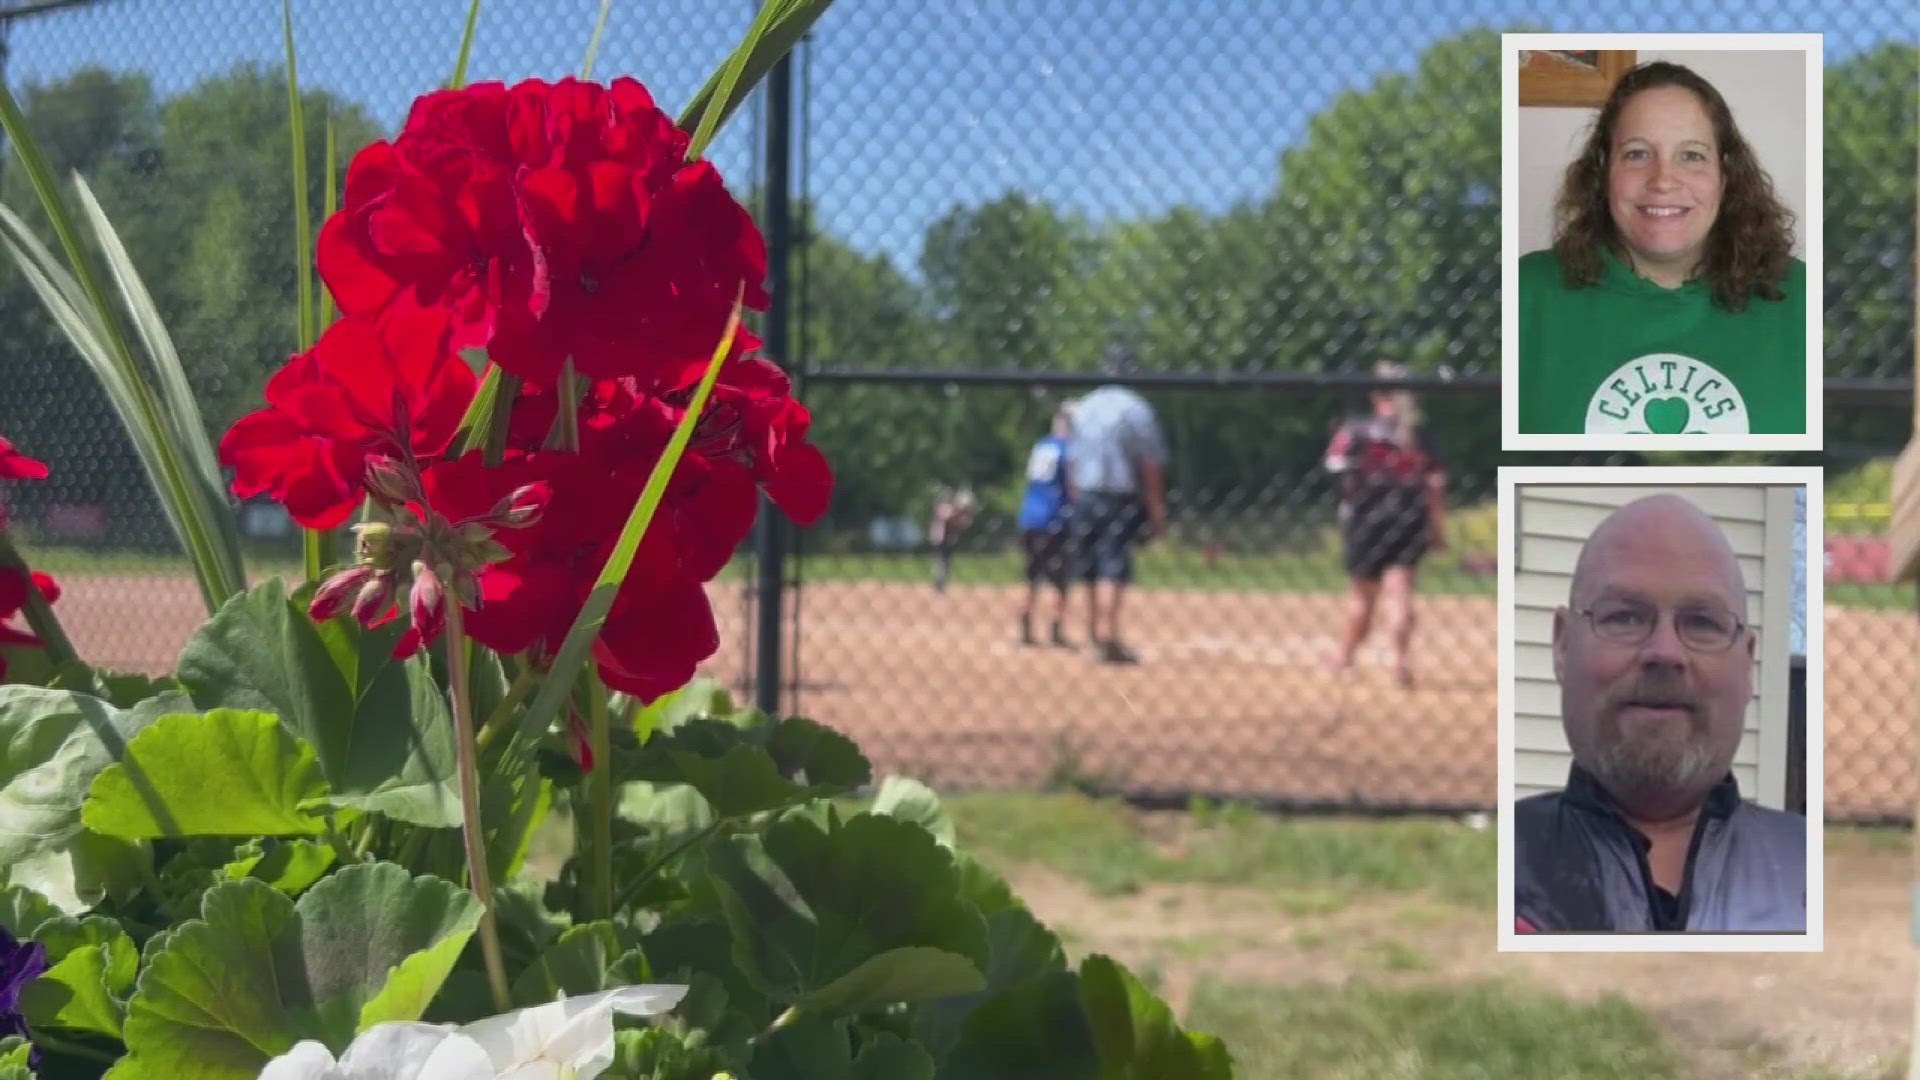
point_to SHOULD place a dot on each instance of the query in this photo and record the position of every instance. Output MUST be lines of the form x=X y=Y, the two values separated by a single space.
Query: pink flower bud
x=522 y=507
x=579 y=740
x=427 y=603
x=391 y=482
x=376 y=596
x=337 y=592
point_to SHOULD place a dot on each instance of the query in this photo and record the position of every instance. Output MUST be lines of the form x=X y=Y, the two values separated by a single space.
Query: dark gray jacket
x=1578 y=866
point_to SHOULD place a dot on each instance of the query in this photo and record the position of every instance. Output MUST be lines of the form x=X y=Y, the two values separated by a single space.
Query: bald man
x=1655 y=663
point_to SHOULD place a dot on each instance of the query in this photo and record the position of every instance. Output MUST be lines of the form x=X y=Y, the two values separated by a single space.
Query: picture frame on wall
x=1570 y=78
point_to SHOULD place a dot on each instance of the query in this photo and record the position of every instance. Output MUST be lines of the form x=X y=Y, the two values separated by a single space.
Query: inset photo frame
x=1660 y=710
x=1661 y=242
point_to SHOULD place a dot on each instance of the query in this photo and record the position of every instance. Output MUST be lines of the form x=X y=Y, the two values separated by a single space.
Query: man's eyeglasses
x=1701 y=627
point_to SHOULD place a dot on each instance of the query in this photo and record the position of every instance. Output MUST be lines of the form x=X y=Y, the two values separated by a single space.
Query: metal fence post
x=772 y=539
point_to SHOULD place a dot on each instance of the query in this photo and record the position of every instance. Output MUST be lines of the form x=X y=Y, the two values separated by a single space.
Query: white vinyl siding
x=1553 y=521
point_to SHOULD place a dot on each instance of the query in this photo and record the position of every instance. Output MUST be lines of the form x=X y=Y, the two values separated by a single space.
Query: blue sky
x=1114 y=108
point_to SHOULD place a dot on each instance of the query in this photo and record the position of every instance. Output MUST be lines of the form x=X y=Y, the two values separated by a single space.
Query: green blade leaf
x=188 y=426
x=466 y=48
x=227 y=773
x=166 y=470
x=800 y=901
x=302 y=224
x=779 y=26
x=329 y=205
x=593 y=614
x=72 y=312
x=593 y=43
x=380 y=728
x=52 y=745
x=225 y=993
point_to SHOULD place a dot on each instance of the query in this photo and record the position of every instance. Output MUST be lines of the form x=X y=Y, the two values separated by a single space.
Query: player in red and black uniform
x=1392 y=512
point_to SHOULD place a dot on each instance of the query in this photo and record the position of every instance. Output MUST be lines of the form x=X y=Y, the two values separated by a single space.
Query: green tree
x=1000 y=278
x=1869 y=215
x=197 y=188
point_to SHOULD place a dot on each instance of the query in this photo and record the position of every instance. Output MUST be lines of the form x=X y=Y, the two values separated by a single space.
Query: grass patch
x=68 y=560
x=1159 y=566
x=1314 y=865
x=1398 y=956
x=1461 y=1032
x=1880 y=595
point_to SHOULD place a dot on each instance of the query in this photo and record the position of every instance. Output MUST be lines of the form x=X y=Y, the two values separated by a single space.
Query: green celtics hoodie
x=1626 y=356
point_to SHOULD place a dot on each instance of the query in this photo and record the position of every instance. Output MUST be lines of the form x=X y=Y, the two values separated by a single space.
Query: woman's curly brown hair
x=1750 y=247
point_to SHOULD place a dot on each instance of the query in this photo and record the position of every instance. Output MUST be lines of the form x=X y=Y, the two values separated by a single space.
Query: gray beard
x=1650 y=772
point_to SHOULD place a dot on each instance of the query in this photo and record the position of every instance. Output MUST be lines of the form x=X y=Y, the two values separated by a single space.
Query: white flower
x=569 y=1039
x=388 y=1052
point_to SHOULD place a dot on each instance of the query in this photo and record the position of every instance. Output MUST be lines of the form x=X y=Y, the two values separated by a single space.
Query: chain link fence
x=1261 y=201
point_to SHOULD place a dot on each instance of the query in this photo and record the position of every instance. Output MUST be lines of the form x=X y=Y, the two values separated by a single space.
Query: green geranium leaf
x=107 y=867
x=704 y=697
x=657 y=1053
x=52 y=744
x=1135 y=1032
x=290 y=866
x=812 y=1048
x=14 y=1052
x=1034 y=1031
x=224 y=994
x=575 y=964
x=911 y=800
x=748 y=770
x=22 y=911
x=699 y=950
x=846 y=918
x=93 y=962
x=982 y=886
x=120 y=689
x=379 y=727
x=1021 y=951
x=228 y=773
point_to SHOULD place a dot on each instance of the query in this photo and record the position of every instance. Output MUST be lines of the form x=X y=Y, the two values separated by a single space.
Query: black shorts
x=1106 y=529
x=1373 y=544
x=1049 y=556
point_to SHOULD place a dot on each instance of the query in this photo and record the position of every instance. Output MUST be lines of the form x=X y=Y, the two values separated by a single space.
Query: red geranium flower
x=13 y=598
x=391 y=388
x=15 y=465
x=551 y=220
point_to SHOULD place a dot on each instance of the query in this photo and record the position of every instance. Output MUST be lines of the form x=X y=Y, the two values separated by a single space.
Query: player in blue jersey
x=1043 y=527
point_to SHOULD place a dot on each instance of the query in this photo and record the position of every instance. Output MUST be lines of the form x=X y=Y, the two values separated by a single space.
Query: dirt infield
x=1230 y=699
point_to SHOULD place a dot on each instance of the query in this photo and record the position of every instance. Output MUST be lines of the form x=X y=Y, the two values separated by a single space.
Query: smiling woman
x=1670 y=301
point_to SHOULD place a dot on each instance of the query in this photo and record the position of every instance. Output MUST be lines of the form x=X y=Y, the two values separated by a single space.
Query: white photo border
x=1809 y=477
x=1811 y=228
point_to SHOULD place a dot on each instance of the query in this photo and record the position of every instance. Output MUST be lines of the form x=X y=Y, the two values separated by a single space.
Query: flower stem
x=785 y=1018
x=467 y=761
x=40 y=617
x=516 y=693
x=602 y=803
